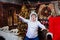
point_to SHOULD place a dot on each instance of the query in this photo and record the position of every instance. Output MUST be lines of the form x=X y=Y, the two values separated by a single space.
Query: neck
x=33 y=20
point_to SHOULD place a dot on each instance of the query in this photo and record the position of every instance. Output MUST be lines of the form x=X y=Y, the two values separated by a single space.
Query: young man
x=33 y=24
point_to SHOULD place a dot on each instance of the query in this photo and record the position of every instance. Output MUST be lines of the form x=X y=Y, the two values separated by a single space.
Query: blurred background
x=9 y=9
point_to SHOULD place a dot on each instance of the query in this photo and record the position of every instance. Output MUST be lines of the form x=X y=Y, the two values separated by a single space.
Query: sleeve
x=41 y=26
x=23 y=19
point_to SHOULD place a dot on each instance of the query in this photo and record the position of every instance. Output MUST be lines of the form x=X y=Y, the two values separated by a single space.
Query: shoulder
x=38 y=21
x=29 y=20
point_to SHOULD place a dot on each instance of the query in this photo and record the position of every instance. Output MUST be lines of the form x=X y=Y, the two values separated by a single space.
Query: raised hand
x=17 y=15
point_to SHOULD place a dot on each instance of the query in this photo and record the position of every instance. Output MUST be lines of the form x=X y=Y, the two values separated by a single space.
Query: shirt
x=32 y=30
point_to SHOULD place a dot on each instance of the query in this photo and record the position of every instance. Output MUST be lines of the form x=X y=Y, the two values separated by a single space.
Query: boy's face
x=33 y=17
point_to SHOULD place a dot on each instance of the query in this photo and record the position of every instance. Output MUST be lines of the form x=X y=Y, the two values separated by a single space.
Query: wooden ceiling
x=25 y=1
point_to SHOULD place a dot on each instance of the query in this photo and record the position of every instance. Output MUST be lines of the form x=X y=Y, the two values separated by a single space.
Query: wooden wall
x=7 y=11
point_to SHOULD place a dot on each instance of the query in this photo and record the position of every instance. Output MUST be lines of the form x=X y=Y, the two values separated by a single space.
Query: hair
x=34 y=14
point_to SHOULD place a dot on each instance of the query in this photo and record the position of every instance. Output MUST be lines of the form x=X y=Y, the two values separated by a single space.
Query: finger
x=17 y=14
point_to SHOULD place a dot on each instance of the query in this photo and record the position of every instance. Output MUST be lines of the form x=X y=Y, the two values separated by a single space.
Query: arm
x=41 y=26
x=23 y=19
